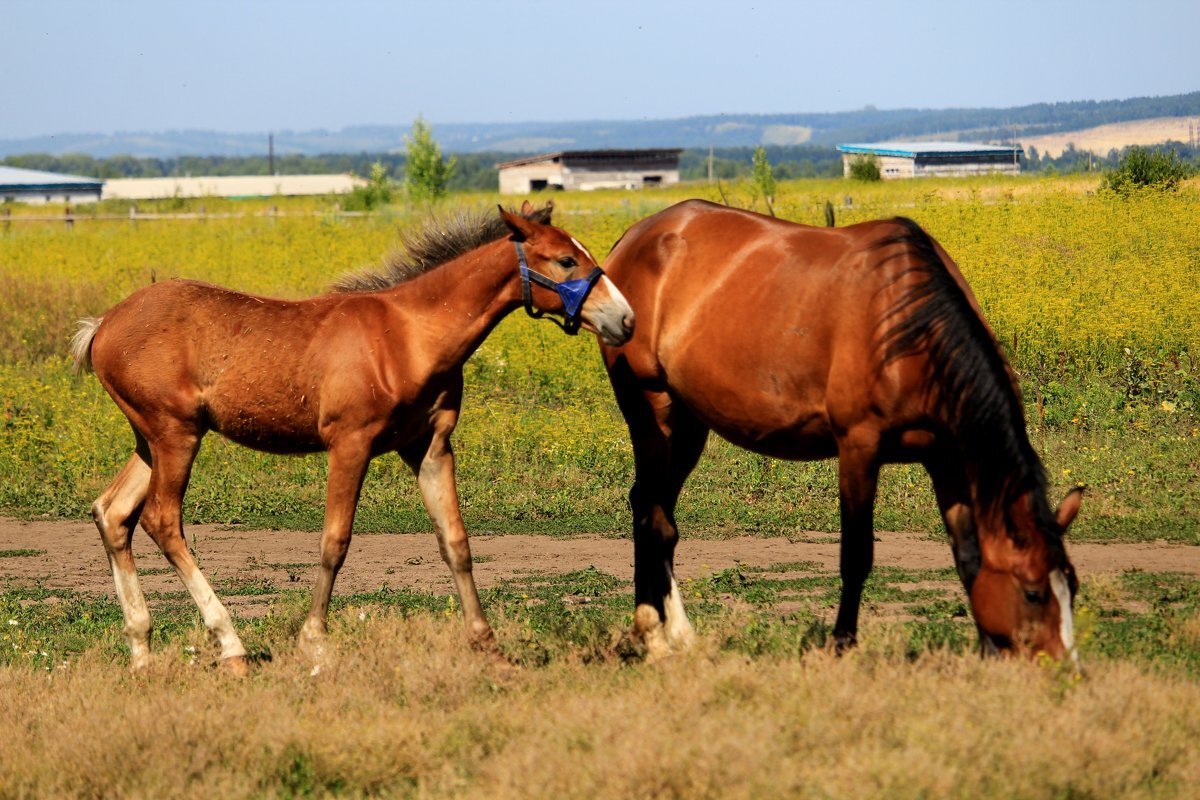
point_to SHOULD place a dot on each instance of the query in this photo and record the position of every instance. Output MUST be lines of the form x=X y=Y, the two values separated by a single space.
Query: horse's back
x=765 y=328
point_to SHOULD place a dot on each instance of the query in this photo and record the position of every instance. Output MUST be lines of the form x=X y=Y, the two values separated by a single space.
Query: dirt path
x=73 y=557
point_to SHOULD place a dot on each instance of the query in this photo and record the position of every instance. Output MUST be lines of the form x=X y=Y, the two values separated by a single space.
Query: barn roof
x=929 y=149
x=641 y=154
x=33 y=180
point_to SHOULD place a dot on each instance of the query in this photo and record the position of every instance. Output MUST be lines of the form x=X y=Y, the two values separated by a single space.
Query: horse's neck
x=460 y=302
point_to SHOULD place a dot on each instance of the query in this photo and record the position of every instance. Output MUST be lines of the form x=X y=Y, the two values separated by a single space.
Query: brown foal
x=355 y=372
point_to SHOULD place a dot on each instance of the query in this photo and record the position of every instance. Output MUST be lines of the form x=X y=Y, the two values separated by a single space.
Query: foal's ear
x=1069 y=507
x=526 y=208
x=520 y=227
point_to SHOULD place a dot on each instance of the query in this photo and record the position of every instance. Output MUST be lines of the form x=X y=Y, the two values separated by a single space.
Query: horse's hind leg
x=667 y=442
x=858 y=477
x=162 y=517
x=116 y=513
x=954 y=502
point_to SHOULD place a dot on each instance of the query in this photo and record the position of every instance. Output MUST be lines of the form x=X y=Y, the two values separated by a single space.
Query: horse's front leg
x=432 y=460
x=348 y=459
x=667 y=442
x=858 y=477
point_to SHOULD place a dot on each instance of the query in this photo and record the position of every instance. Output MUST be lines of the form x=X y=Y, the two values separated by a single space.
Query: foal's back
x=259 y=370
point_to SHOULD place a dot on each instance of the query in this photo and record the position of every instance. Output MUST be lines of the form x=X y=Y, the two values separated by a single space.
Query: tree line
x=477 y=171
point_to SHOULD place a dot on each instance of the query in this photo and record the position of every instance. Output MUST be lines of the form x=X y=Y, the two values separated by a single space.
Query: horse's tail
x=81 y=343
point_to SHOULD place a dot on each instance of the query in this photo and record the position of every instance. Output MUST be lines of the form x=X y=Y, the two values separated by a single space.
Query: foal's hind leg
x=162 y=518
x=432 y=460
x=667 y=442
x=116 y=513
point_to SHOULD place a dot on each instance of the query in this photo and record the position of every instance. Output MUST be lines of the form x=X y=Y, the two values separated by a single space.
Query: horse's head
x=1023 y=593
x=559 y=276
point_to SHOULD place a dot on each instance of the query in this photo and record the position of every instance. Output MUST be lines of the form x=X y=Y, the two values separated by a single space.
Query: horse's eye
x=1035 y=597
x=566 y=262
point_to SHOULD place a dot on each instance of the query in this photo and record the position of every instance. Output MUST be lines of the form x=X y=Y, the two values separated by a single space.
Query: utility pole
x=710 y=165
x=270 y=154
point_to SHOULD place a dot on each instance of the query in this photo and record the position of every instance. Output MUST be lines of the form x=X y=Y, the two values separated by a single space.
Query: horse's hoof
x=485 y=642
x=236 y=666
x=843 y=643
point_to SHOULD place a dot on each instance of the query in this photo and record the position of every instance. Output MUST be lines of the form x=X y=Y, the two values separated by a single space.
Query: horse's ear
x=520 y=227
x=526 y=208
x=1069 y=507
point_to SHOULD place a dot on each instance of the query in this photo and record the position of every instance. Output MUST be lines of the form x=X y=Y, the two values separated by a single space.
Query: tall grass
x=1093 y=295
x=407 y=711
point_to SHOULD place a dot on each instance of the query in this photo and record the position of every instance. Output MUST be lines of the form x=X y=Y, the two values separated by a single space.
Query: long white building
x=925 y=159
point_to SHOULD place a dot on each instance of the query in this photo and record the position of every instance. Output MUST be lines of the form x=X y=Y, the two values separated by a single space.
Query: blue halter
x=573 y=293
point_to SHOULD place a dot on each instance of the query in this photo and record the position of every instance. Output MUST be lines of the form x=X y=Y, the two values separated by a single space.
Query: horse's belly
x=783 y=424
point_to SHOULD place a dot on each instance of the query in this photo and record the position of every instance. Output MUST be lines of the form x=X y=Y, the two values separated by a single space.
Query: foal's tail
x=81 y=343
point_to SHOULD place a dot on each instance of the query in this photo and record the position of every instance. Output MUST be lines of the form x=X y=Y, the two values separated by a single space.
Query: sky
x=265 y=65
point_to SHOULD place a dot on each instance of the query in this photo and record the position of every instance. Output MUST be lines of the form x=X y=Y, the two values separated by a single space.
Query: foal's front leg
x=432 y=460
x=347 y=467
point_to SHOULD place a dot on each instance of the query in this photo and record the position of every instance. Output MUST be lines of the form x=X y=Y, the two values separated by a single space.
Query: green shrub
x=378 y=192
x=1140 y=168
x=865 y=168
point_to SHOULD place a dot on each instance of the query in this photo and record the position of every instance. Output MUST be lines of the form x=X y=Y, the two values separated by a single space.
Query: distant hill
x=725 y=130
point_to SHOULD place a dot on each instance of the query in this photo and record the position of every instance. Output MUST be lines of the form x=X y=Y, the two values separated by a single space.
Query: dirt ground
x=73 y=557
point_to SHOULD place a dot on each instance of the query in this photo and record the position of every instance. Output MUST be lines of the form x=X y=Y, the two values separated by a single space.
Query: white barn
x=37 y=187
x=586 y=170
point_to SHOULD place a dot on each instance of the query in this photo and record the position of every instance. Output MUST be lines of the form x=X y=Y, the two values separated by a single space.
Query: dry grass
x=407 y=711
x=1103 y=138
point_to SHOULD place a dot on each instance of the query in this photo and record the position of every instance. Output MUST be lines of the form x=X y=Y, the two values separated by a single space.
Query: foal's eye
x=1035 y=597
x=566 y=262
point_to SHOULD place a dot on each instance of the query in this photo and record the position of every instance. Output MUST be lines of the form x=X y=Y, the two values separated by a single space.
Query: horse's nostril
x=627 y=322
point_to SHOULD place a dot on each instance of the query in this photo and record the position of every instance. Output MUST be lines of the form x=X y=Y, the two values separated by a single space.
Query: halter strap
x=573 y=293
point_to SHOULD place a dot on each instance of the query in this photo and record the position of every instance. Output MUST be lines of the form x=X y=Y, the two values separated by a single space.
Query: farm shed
x=590 y=169
x=37 y=187
x=229 y=186
x=923 y=159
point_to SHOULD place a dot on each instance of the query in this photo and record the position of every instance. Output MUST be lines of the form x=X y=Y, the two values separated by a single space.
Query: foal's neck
x=461 y=301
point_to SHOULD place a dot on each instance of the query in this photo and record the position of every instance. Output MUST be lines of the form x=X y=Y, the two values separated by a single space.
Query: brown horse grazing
x=372 y=368
x=862 y=343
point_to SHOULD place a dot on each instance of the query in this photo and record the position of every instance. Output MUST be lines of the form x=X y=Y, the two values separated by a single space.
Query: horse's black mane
x=437 y=242
x=968 y=377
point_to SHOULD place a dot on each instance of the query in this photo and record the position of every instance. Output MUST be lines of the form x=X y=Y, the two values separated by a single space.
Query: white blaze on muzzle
x=1066 y=622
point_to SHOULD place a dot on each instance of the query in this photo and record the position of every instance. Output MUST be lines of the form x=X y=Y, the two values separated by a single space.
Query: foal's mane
x=438 y=241
x=967 y=376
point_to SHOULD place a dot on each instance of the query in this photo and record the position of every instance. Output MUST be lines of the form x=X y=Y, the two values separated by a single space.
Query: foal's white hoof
x=235 y=666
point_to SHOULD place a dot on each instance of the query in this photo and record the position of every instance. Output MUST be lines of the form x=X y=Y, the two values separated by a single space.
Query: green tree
x=764 y=178
x=427 y=175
